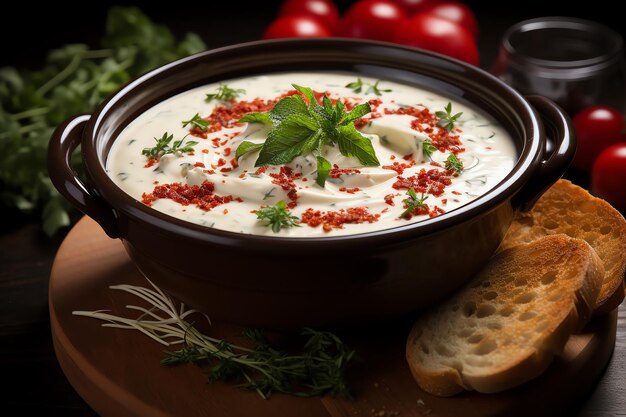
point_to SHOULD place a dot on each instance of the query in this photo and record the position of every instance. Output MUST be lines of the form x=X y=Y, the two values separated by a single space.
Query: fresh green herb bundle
x=74 y=80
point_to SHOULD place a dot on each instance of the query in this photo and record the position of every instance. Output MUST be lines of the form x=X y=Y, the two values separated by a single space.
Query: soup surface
x=372 y=155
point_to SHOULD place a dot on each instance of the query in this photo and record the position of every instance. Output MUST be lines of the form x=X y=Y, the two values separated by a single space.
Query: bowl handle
x=63 y=142
x=560 y=142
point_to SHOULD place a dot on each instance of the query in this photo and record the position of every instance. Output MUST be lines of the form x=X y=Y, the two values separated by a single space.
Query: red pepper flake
x=350 y=190
x=199 y=165
x=225 y=211
x=151 y=163
x=261 y=170
x=285 y=179
x=408 y=157
x=418 y=211
x=221 y=162
x=389 y=199
x=337 y=172
x=433 y=181
x=208 y=171
x=488 y=148
x=305 y=179
x=205 y=151
x=234 y=163
x=226 y=169
x=436 y=211
x=242 y=175
x=435 y=164
x=336 y=219
x=399 y=167
x=227 y=151
x=392 y=157
x=456 y=193
x=444 y=201
x=155 y=182
x=201 y=196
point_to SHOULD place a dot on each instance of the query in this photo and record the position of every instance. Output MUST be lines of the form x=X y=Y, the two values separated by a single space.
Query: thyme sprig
x=412 y=203
x=277 y=216
x=225 y=93
x=317 y=369
x=447 y=119
x=454 y=164
x=197 y=122
x=428 y=149
x=357 y=87
x=163 y=147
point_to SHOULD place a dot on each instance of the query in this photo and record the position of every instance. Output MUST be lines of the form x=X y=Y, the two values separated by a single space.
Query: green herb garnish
x=298 y=129
x=277 y=216
x=453 y=164
x=225 y=93
x=428 y=148
x=163 y=147
x=357 y=87
x=74 y=80
x=447 y=119
x=412 y=203
x=317 y=367
x=198 y=122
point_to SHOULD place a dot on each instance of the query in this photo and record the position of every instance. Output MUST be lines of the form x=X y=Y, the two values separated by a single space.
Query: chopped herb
x=246 y=147
x=453 y=164
x=317 y=366
x=446 y=118
x=412 y=203
x=277 y=216
x=198 y=122
x=298 y=129
x=357 y=87
x=163 y=147
x=428 y=148
x=225 y=93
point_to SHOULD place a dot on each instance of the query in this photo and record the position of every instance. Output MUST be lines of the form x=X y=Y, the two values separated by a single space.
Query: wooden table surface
x=33 y=383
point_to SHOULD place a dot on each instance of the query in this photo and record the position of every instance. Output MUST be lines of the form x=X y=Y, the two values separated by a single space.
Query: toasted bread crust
x=493 y=337
x=569 y=209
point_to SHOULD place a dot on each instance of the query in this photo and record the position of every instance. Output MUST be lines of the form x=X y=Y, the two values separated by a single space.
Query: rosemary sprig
x=317 y=369
x=277 y=216
x=447 y=119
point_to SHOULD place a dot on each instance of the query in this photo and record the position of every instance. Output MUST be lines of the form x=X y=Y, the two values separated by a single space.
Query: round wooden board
x=118 y=372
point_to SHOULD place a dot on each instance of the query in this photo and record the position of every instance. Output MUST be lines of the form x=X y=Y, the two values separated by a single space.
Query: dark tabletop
x=32 y=381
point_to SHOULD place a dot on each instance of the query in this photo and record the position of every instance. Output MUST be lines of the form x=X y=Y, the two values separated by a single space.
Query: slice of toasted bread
x=569 y=209
x=505 y=327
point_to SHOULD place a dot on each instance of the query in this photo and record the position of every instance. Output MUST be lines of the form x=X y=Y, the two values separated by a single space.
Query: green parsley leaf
x=323 y=169
x=197 y=121
x=412 y=203
x=299 y=129
x=446 y=117
x=357 y=87
x=246 y=147
x=277 y=216
x=225 y=93
x=453 y=164
x=163 y=147
x=428 y=149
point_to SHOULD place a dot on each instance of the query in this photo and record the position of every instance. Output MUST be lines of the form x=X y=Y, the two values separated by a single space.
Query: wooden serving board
x=118 y=372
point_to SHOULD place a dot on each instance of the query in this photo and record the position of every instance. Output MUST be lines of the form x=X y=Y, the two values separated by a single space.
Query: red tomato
x=323 y=10
x=439 y=35
x=597 y=128
x=412 y=7
x=608 y=176
x=296 y=27
x=372 y=19
x=454 y=11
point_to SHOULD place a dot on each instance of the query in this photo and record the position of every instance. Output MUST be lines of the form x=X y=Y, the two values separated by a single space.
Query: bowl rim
x=121 y=202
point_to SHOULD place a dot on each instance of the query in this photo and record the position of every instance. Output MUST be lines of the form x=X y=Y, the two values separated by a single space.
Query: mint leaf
x=289 y=139
x=352 y=143
x=323 y=169
x=198 y=122
x=428 y=148
x=308 y=93
x=286 y=107
x=256 y=118
x=246 y=147
x=356 y=113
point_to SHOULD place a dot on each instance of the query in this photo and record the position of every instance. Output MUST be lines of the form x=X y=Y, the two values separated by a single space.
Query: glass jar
x=574 y=62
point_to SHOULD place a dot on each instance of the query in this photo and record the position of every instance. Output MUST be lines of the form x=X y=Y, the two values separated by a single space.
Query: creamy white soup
x=372 y=155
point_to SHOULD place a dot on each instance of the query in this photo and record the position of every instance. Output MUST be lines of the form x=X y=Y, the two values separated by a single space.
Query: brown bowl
x=335 y=280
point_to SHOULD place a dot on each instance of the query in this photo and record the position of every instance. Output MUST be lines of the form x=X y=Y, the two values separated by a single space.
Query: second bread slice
x=505 y=327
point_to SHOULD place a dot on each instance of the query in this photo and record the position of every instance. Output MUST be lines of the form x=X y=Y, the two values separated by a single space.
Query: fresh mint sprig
x=299 y=129
x=277 y=216
x=447 y=119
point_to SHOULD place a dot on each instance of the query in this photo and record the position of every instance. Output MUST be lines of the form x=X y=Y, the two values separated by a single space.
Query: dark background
x=33 y=383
